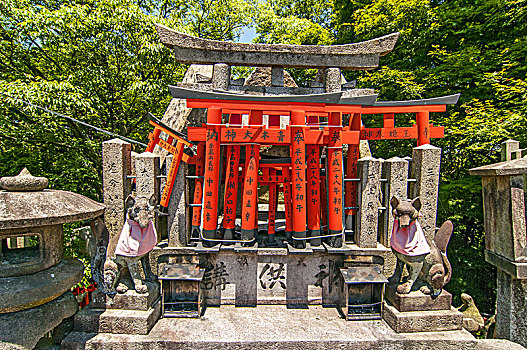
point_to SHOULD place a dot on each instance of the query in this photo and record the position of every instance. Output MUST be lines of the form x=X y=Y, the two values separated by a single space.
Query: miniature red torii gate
x=305 y=208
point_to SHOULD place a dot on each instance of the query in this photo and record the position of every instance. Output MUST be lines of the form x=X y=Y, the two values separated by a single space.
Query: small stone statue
x=472 y=319
x=136 y=240
x=428 y=267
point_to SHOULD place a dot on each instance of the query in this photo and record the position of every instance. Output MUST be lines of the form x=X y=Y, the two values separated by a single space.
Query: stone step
x=76 y=340
x=118 y=321
x=422 y=321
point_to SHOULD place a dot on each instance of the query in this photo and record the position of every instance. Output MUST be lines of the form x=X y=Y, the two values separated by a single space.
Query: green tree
x=99 y=61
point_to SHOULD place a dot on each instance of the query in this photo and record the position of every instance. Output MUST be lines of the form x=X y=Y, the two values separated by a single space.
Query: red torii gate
x=307 y=211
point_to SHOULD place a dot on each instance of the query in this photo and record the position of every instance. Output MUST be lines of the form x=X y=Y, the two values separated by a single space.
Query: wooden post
x=250 y=188
x=298 y=149
x=198 y=189
x=231 y=191
x=273 y=196
x=286 y=173
x=171 y=177
x=335 y=179
x=351 y=173
x=313 y=193
x=212 y=173
x=423 y=128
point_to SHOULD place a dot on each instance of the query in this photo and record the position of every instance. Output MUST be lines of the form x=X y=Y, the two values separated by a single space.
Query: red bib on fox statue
x=136 y=240
x=409 y=240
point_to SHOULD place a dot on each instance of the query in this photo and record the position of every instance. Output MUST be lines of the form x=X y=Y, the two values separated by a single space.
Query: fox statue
x=428 y=267
x=136 y=240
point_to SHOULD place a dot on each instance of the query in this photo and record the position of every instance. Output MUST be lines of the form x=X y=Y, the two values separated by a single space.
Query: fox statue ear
x=129 y=202
x=394 y=202
x=416 y=203
x=152 y=201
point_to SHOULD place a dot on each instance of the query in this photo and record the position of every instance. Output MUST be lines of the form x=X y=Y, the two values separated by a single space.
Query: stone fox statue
x=136 y=240
x=425 y=259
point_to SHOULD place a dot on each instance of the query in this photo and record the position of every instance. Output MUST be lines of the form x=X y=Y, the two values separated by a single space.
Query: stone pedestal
x=418 y=312
x=422 y=321
x=417 y=301
x=127 y=313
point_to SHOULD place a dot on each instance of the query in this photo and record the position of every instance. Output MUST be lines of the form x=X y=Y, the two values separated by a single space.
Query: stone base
x=422 y=321
x=131 y=300
x=417 y=301
x=118 y=321
x=277 y=327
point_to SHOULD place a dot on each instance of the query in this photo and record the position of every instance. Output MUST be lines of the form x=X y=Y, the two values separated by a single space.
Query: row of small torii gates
x=315 y=205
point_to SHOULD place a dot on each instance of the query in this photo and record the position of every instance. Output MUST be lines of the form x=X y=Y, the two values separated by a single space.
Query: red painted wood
x=169 y=133
x=273 y=201
x=198 y=187
x=313 y=190
x=298 y=154
x=154 y=138
x=423 y=127
x=334 y=174
x=231 y=187
x=171 y=177
x=212 y=173
x=286 y=173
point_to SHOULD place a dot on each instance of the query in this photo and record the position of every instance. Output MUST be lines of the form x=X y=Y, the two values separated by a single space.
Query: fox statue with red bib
x=136 y=240
x=428 y=267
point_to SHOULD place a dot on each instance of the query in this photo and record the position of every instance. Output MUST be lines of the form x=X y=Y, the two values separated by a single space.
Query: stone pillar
x=178 y=218
x=116 y=186
x=507 y=148
x=221 y=76
x=369 y=171
x=425 y=168
x=146 y=180
x=395 y=170
x=511 y=304
x=506 y=240
x=332 y=79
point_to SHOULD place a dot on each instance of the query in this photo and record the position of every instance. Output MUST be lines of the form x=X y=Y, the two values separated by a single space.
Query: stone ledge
x=514 y=269
x=91 y=320
x=422 y=321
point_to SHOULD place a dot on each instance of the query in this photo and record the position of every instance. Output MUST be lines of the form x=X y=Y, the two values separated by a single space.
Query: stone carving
x=472 y=320
x=428 y=267
x=136 y=240
x=97 y=246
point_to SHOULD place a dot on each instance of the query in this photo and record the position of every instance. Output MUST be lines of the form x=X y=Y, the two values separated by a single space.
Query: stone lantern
x=35 y=279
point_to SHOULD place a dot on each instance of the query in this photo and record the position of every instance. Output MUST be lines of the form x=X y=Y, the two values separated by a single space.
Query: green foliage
x=99 y=61
x=476 y=48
